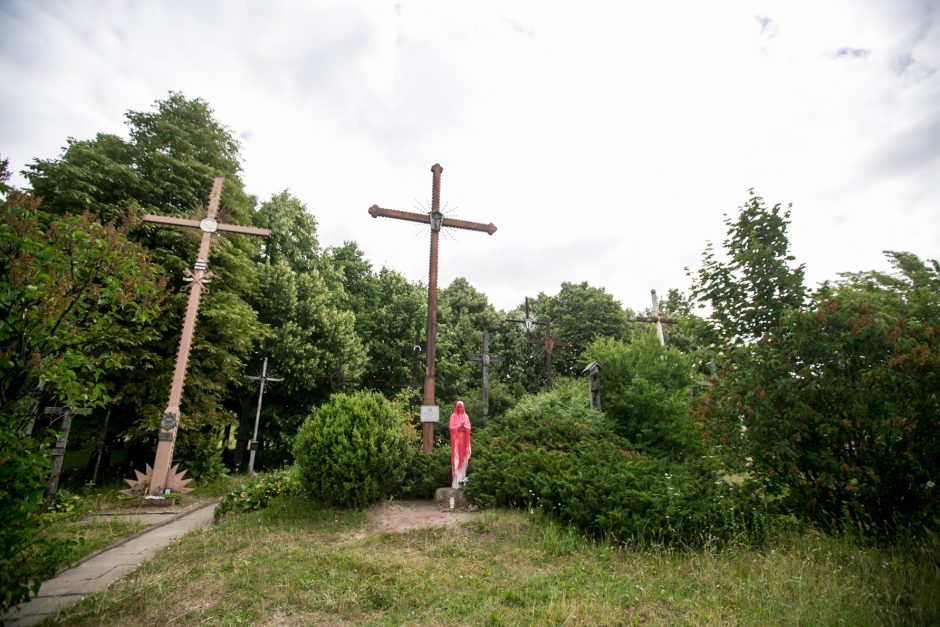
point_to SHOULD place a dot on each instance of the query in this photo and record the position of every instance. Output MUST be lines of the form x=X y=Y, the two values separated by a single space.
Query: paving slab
x=98 y=571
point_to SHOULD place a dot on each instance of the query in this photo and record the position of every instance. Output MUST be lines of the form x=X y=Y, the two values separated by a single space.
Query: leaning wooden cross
x=429 y=411
x=161 y=476
x=657 y=318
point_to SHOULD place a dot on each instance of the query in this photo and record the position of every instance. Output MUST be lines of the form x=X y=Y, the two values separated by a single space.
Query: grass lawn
x=295 y=564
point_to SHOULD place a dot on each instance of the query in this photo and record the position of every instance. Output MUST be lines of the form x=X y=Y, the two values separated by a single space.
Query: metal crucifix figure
x=161 y=477
x=429 y=411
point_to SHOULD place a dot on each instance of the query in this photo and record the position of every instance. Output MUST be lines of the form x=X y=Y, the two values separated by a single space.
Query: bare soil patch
x=405 y=516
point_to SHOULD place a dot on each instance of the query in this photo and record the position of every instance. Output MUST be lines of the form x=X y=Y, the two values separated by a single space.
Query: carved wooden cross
x=262 y=383
x=486 y=359
x=657 y=318
x=58 y=451
x=161 y=476
x=429 y=411
x=549 y=343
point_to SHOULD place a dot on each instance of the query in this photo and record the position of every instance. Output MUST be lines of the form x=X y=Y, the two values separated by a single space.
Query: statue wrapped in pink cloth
x=459 y=445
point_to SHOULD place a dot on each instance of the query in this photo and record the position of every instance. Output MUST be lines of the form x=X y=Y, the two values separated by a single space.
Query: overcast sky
x=605 y=140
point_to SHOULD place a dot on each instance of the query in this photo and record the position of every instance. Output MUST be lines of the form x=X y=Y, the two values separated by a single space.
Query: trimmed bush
x=427 y=473
x=551 y=453
x=352 y=450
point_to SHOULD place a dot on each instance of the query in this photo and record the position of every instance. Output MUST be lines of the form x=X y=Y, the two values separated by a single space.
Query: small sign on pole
x=430 y=413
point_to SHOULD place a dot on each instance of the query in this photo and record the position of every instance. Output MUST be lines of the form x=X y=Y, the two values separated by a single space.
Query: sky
x=606 y=141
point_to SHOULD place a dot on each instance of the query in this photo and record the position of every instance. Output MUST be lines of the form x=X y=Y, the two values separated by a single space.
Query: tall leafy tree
x=76 y=297
x=755 y=282
x=167 y=166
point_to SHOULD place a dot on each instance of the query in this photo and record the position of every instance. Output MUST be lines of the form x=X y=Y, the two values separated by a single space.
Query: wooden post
x=430 y=413
x=58 y=451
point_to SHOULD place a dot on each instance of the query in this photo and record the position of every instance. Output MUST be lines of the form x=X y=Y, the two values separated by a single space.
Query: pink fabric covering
x=459 y=444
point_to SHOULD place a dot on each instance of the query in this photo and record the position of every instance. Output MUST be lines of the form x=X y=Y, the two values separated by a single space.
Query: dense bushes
x=841 y=406
x=257 y=495
x=352 y=450
x=554 y=454
x=427 y=473
x=645 y=392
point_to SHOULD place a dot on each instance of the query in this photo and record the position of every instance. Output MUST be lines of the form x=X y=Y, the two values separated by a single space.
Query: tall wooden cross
x=549 y=343
x=486 y=359
x=160 y=477
x=429 y=411
x=657 y=318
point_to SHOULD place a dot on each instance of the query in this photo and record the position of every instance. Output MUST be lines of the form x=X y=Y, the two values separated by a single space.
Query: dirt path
x=405 y=516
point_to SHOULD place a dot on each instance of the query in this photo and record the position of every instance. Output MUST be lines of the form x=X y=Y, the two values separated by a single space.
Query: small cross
x=486 y=359
x=548 y=346
x=263 y=382
x=161 y=476
x=436 y=219
x=657 y=318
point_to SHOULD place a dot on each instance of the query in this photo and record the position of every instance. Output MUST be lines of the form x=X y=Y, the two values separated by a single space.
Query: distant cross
x=262 y=383
x=657 y=318
x=548 y=343
x=161 y=476
x=429 y=411
x=486 y=359
x=58 y=451
x=338 y=378
x=415 y=350
x=528 y=321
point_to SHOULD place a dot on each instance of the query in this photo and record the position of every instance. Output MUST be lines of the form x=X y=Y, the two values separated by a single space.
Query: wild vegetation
x=785 y=412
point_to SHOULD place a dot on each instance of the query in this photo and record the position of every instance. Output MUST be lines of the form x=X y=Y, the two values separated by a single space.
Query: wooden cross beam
x=429 y=411
x=262 y=383
x=486 y=359
x=657 y=318
x=160 y=477
x=548 y=346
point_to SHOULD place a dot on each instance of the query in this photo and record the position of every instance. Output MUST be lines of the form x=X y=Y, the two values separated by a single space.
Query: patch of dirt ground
x=405 y=516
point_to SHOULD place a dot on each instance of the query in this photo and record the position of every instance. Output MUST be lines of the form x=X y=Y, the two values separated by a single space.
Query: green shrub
x=427 y=473
x=645 y=392
x=353 y=450
x=553 y=454
x=256 y=495
x=202 y=458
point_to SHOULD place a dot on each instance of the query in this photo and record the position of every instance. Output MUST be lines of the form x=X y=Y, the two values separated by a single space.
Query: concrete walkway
x=100 y=570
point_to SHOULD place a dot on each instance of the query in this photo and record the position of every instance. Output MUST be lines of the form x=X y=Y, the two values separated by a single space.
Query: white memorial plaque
x=430 y=413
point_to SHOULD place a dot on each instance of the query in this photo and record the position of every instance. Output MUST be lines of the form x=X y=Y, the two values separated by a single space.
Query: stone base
x=442 y=497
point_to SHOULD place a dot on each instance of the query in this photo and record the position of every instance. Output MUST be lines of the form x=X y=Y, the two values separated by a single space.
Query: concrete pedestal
x=442 y=497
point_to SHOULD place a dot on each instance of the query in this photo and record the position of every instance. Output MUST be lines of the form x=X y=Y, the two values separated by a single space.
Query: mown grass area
x=78 y=536
x=295 y=564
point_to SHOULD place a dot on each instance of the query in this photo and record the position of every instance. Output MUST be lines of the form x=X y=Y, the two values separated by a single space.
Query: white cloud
x=604 y=140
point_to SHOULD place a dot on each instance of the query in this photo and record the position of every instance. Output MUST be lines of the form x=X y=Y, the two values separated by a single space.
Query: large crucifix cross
x=548 y=343
x=657 y=318
x=429 y=411
x=486 y=359
x=160 y=477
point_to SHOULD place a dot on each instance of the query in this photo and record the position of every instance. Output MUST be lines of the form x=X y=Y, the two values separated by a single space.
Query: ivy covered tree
x=76 y=300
